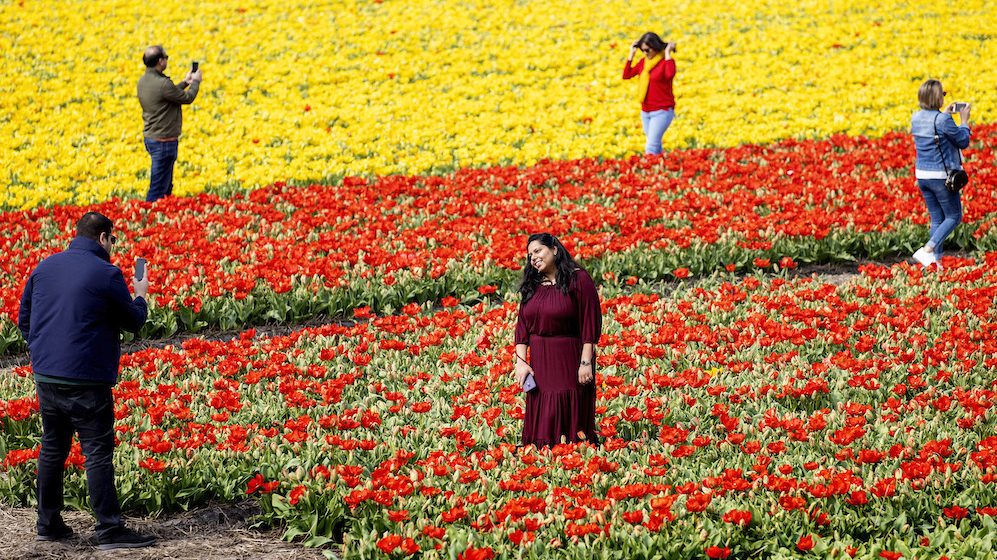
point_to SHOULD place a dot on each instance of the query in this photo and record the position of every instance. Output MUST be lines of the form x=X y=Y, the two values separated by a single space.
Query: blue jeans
x=164 y=155
x=89 y=412
x=655 y=124
x=945 y=209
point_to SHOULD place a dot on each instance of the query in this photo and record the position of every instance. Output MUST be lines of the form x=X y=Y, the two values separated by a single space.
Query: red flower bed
x=738 y=416
x=284 y=253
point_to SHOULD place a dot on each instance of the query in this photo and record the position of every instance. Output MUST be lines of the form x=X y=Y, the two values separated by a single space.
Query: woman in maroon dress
x=560 y=320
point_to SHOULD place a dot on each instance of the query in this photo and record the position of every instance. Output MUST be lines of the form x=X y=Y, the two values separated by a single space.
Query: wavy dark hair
x=653 y=41
x=566 y=267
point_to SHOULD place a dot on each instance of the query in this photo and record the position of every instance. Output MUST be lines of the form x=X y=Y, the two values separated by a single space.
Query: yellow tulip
x=306 y=90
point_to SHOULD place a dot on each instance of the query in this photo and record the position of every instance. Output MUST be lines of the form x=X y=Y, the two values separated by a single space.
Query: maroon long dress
x=555 y=326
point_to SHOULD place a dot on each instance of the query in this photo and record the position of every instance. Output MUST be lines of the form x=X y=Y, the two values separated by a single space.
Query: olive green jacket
x=161 y=100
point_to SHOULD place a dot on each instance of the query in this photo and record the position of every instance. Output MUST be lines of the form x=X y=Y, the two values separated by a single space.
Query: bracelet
x=586 y=363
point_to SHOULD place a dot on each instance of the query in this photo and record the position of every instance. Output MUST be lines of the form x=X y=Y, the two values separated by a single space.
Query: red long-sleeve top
x=659 y=89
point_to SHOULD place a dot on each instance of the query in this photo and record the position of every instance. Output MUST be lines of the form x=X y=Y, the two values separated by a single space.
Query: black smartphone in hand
x=958 y=106
x=139 y=268
x=193 y=67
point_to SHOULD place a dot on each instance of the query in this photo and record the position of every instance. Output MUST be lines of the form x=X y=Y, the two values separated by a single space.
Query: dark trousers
x=89 y=412
x=164 y=155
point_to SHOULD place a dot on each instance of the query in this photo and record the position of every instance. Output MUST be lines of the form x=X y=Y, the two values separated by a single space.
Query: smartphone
x=958 y=106
x=193 y=67
x=139 y=268
x=529 y=383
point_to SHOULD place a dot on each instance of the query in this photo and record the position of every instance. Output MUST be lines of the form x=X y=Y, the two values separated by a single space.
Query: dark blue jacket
x=72 y=311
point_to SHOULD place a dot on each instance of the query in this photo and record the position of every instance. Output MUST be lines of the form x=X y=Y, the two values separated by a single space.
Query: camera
x=958 y=106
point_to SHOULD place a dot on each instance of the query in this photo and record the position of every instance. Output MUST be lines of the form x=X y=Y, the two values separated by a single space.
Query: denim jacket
x=952 y=138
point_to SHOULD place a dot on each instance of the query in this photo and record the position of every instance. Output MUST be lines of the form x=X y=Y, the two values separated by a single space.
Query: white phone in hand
x=529 y=383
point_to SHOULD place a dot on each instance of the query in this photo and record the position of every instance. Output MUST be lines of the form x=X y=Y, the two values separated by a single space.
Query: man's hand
x=195 y=76
x=141 y=287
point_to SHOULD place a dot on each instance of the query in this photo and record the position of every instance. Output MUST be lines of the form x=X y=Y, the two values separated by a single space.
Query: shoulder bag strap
x=938 y=143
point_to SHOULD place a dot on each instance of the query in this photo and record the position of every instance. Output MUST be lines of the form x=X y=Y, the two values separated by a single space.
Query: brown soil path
x=210 y=533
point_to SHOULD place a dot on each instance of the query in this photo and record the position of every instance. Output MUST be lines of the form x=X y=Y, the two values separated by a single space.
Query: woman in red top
x=656 y=71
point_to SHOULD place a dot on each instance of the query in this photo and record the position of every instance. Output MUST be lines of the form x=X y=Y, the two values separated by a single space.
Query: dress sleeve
x=630 y=70
x=522 y=333
x=586 y=298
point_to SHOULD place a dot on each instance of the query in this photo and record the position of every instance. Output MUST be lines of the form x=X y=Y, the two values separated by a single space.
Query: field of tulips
x=379 y=165
x=317 y=90
x=741 y=417
x=282 y=253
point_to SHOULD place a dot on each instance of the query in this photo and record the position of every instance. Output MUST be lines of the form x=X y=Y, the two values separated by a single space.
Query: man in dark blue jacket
x=74 y=306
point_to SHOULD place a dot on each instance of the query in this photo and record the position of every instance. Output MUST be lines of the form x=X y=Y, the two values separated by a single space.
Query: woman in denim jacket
x=944 y=207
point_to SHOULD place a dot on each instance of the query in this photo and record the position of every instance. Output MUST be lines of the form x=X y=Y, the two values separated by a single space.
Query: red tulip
x=717 y=552
x=805 y=543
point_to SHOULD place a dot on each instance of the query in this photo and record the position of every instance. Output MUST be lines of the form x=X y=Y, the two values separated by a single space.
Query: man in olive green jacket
x=161 y=100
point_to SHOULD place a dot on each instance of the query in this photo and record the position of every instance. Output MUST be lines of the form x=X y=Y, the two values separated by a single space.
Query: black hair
x=653 y=41
x=152 y=56
x=565 y=265
x=92 y=224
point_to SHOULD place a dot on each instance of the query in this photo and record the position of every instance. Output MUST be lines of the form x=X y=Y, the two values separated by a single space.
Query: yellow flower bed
x=310 y=89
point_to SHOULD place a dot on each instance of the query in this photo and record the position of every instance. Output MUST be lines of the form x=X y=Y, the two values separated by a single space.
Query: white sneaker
x=924 y=256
